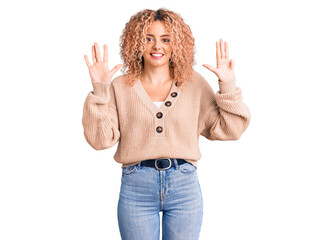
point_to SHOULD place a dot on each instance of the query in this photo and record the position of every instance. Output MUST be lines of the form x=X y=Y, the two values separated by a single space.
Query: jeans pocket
x=187 y=168
x=129 y=170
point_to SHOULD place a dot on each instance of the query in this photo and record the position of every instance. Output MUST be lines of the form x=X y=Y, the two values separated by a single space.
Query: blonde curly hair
x=133 y=39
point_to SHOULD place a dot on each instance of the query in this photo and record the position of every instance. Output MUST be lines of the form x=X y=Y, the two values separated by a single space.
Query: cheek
x=169 y=50
x=146 y=54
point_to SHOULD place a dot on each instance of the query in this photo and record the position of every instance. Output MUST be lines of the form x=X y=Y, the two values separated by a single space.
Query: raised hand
x=225 y=67
x=99 y=71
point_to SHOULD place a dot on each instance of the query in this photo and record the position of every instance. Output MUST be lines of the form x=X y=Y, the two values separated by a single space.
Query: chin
x=158 y=64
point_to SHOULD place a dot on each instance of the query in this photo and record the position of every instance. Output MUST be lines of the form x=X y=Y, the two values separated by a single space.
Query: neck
x=156 y=76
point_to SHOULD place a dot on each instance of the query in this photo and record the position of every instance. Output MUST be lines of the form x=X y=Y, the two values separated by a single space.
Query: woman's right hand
x=99 y=71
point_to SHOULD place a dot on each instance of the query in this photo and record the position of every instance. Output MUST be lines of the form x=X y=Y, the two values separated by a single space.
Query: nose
x=157 y=45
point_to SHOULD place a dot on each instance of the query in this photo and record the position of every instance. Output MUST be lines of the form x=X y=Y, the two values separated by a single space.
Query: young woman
x=157 y=111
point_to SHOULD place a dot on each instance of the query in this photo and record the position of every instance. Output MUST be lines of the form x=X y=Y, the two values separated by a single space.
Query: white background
x=274 y=183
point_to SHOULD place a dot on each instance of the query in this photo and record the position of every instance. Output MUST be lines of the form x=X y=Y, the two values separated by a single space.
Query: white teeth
x=157 y=55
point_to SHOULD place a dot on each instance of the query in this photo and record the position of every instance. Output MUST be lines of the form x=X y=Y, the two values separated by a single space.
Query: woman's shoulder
x=198 y=77
x=201 y=85
x=119 y=80
x=198 y=80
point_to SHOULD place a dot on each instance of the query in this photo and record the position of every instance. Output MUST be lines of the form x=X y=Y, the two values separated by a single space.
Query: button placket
x=170 y=100
x=159 y=113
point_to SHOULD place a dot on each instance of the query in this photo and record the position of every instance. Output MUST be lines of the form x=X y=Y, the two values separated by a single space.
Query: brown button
x=159 y=114
x=174 y=94
x=168 y=103
x=178 y=84
x=159 y=129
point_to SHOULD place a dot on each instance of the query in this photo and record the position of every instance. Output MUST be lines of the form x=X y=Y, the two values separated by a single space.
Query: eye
x=149 y=39
x=166 y=40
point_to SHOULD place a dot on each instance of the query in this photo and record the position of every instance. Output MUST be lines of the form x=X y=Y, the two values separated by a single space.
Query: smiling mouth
x=157 y=56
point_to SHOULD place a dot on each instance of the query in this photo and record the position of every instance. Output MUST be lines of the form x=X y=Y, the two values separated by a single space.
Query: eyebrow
x=160 y=36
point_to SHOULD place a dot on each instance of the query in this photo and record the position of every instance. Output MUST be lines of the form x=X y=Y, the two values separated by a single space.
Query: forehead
x=157 y=28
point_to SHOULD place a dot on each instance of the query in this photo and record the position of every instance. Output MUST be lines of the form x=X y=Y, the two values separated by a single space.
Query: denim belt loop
x=176 y=163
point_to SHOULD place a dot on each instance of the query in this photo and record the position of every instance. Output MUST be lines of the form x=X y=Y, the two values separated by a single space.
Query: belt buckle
x=163 y=168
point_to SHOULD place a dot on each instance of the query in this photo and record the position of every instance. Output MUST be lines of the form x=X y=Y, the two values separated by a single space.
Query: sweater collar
x=167 y=104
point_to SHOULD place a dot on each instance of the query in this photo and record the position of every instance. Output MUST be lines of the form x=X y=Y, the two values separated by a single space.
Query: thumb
x=113 y=71
x=116 y=68
x=232 y=63
x=209 y=67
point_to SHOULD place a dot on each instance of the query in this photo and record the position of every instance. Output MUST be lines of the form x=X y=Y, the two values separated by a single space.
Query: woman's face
x=158 y=49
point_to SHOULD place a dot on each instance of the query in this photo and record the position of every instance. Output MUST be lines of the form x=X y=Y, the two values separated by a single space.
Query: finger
x=93 y=54
x=209 y=67
x=105 y=56
x=87 y=61
x=218 y=54
x=226 y=50
x=222 y=48
x=98 y=53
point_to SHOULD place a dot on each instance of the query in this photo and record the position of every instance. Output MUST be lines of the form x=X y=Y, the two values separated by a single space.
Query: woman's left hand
x=225 y=67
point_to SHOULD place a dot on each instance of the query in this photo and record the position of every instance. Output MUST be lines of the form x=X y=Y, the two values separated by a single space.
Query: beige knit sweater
x=117 y=112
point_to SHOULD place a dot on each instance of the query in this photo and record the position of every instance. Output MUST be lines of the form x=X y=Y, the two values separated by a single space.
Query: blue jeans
x=146 y=191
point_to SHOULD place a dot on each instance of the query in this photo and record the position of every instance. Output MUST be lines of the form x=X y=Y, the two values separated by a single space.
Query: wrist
x=226 y=87
x=101 y=89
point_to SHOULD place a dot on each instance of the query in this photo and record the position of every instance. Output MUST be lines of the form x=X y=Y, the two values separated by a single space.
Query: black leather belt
x=162 y=163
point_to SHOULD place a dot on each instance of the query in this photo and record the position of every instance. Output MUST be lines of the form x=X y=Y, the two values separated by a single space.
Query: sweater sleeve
x=223 y=115
x=100 y=117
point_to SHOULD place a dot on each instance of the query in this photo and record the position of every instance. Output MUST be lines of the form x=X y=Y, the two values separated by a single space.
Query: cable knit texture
x=116 y=112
